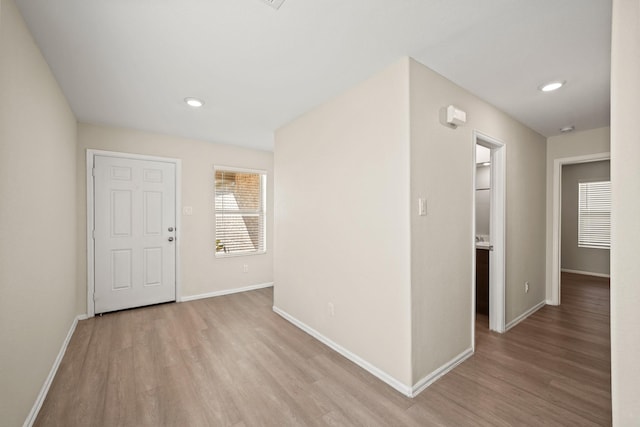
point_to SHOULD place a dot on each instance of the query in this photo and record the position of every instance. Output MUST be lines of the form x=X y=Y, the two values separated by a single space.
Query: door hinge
x=93 y=171
x=93 y=234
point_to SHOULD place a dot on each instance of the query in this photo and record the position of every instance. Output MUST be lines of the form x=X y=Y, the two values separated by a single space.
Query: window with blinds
x=239 y=212
x=594 y=214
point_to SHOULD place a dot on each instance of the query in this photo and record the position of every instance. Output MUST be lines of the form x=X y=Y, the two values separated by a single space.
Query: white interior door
x=134 y=237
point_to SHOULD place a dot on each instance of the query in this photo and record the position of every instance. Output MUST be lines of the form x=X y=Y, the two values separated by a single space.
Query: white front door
x=134 y=238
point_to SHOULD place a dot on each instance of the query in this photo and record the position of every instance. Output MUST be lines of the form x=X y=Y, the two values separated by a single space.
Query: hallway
x=231 y=361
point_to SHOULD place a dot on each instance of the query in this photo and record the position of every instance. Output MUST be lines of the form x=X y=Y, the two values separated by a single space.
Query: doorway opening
x=557 y=227
x=489 y=188
x=483 y=232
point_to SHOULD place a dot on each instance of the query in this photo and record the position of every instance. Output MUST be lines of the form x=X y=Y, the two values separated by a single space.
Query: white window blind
x=239 y=212
x=594 y=214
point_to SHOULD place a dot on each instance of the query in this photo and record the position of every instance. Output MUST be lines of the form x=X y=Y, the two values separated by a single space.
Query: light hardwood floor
x=230 y=361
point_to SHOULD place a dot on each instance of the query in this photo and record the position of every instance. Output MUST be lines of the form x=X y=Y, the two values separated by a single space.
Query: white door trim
x=556 y=206
x=91 y=154
x=498 y=234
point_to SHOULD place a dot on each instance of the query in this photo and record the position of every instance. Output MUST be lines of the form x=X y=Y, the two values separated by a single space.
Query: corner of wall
x=442 y=247
x=363 y=134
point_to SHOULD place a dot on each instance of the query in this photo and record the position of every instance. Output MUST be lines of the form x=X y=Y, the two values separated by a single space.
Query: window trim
x=263 y=196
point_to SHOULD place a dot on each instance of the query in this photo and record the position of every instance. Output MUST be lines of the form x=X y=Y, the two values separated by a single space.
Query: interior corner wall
x=625 y=228
x=594 y=141
x=442 y=244
x=342 y=221
x=201 y=272
x=575 y=258
x=37 y=218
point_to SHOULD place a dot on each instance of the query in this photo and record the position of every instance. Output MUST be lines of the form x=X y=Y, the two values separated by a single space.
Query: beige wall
x=573 y=144
x=589 y=260
x=37 y=218
x=362 y=135
x=442 y=242
x=625 y=181
x=202 y=272
x=342 y=220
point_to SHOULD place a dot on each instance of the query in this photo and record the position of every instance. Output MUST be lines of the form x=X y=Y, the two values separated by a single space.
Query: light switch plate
x=187 y=210
x=422 y=207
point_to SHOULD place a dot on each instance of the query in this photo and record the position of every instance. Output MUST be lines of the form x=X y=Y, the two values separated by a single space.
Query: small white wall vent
x=274 y=3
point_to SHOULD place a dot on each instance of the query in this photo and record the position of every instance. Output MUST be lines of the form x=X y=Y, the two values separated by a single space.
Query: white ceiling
x=131 y=63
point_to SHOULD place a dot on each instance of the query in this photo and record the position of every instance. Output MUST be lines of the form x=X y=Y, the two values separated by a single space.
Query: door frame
x=497 y=258
x=90 y=156
x=556 y=207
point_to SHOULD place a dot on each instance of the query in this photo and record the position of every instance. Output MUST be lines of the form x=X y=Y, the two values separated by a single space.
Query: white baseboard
x=585 y=273
x=402 y=388
x=226 y=292
x=31 y=418
x=524 y=315
x=380 y=374
x=435 y=375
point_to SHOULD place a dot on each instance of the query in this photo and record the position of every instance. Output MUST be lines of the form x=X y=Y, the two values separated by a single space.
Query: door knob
x=170 y=228
x=171 y=239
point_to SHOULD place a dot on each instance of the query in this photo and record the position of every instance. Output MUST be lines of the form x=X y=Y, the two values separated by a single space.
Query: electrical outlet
x=526 y=287
x=245 y=268
x=331 y=309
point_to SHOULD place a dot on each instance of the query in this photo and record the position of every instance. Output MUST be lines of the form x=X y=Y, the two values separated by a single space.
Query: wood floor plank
x=120 y=389
x=533 y=400
x=230 y=361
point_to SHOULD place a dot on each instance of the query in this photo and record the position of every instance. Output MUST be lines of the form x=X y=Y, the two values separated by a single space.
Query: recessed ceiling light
x=194 y=102
x=567 y=129
x=551 y=86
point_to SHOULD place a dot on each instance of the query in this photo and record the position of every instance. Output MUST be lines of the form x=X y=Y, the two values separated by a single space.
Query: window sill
x=233 y=255
x=593 y=247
